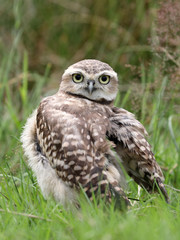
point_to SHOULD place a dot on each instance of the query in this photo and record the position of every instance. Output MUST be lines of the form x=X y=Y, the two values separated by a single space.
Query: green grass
x=148 y=91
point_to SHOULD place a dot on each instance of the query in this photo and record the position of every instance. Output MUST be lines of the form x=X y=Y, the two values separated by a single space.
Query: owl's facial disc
x=91 y=79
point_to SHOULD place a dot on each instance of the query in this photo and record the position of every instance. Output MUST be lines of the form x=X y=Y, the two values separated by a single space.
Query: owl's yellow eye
x=104 y=79
x=77 y=77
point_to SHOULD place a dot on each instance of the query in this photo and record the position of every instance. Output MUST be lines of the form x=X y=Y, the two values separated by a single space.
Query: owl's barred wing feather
x=74 y=149
x=129 y=136
x=47 y=178
x=101 y=184
x=61 y=143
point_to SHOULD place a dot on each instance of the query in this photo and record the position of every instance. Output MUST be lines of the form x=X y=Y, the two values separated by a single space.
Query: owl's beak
x=90 y=86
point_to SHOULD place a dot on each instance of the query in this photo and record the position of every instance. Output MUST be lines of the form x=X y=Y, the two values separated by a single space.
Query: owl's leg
x=99 y=186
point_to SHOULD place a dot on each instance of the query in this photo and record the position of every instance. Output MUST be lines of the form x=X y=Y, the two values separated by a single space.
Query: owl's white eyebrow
x=109 y=73
x=71 y=71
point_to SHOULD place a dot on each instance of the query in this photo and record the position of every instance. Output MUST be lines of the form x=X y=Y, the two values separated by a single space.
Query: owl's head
x=91 y=79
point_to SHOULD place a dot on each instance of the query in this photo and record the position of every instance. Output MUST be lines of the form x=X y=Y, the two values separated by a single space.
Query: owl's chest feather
x=77 y=124
x=78 y=113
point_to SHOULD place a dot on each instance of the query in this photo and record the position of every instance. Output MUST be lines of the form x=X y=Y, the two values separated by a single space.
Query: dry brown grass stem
x=168 y=55
x=24 y=214
x=174 y=189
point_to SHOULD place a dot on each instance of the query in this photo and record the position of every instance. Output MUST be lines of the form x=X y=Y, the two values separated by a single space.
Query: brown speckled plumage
x=72 y=133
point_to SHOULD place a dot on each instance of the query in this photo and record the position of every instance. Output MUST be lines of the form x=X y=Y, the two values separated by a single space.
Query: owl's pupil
x=78 y=77
x=104 y=78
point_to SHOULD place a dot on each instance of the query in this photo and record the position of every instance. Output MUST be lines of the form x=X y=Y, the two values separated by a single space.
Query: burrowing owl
x=71 y=139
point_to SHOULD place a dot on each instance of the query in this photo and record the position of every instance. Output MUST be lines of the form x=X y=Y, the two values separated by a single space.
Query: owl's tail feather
x=152 y=185
x=99 y=186
x=162 y=189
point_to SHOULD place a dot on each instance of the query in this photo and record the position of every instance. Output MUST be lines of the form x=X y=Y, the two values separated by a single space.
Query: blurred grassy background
x=62 y=32
x=39 y=39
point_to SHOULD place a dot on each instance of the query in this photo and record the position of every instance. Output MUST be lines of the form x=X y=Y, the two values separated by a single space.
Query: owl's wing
x=135 y=152
x=59 y=139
